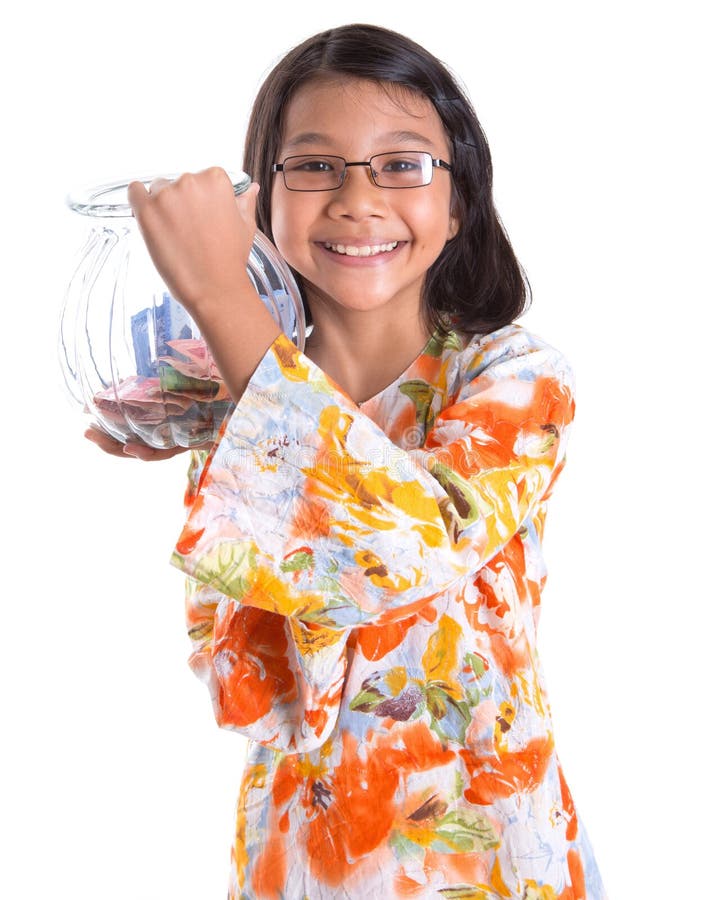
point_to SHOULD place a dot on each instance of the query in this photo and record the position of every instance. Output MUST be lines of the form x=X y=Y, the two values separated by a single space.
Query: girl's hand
x=131 y=449
x=198 y=233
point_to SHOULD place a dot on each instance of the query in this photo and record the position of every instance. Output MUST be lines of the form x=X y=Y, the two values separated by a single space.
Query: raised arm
x=199 y=236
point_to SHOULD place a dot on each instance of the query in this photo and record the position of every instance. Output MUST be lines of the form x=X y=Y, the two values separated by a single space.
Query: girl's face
x=316 y=232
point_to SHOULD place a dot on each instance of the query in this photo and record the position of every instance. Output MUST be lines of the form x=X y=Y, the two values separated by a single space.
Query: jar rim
x=110 y=200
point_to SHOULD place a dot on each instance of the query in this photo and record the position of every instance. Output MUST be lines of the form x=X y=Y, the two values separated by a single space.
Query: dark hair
x=476 y=283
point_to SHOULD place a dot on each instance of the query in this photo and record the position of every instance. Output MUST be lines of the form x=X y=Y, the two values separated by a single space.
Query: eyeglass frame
x=436 y=163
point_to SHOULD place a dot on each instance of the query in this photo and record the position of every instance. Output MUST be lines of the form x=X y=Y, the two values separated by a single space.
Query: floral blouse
x=363 y=601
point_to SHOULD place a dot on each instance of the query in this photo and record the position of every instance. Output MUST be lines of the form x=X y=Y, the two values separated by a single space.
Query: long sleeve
x=310 y=520
x=309 y=511
x=272 y=679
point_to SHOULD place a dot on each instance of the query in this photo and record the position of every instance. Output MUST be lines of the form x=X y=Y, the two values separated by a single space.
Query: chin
x=362 y=297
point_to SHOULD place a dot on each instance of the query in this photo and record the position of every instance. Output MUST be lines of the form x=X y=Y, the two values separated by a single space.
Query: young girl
x=364 y=542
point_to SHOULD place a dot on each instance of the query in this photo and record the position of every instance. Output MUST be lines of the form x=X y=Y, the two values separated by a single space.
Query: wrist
x=220 y=301
x=238 y=330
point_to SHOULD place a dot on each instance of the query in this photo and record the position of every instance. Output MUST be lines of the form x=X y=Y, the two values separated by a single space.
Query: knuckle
x=184 y=180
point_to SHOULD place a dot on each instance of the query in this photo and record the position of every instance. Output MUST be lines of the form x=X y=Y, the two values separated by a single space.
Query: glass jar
x=130 y=354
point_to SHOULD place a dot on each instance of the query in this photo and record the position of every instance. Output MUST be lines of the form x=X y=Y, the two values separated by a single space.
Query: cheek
x=432 y=216
x=277 y=217
x=434 y=230
x=290 y=220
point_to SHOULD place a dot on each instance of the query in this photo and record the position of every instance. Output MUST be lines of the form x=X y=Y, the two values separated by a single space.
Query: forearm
x=238 y=330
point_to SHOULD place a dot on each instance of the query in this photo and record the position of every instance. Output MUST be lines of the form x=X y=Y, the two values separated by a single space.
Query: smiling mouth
x=366 y=250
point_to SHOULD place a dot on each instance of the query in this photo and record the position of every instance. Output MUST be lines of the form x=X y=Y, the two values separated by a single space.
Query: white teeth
x=367 y=250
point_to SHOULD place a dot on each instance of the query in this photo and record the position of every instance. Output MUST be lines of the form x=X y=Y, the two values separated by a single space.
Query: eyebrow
x=307 y=138
x=314 y=138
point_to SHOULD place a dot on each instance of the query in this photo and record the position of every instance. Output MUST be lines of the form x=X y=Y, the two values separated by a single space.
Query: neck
x=365 y=351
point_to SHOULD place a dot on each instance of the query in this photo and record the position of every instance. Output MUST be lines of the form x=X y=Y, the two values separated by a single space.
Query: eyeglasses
x=398 y=169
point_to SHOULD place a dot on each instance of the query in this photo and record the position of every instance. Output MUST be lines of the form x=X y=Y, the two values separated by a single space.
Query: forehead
x=360 y=116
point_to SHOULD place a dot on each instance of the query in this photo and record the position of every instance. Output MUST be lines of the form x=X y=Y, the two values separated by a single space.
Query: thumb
x=247 y=202
x=249 y=195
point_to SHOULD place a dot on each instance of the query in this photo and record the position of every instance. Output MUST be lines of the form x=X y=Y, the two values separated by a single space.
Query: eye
x=401 y=164
x=315 y=165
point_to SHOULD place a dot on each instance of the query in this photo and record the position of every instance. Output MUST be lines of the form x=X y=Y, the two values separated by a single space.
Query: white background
x=116 y=782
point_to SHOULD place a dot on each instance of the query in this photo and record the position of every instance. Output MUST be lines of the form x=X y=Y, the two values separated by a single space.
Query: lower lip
x=378 y=259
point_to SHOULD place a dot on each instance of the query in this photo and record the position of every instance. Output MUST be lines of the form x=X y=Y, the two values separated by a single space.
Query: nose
x=358 y=197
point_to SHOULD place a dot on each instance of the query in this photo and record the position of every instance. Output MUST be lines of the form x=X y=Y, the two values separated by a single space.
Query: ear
x=454 y=225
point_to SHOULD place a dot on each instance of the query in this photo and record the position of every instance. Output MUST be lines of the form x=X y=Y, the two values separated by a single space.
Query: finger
x=97 y=436
x=150 y=454
x=104 y=441
x=216 y=172
x=133 y=450
x=251 y=192
x=137 y=195
x=157 y=185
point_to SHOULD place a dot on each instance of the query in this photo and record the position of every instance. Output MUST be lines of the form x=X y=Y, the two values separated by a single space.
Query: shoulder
x=510 y=351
